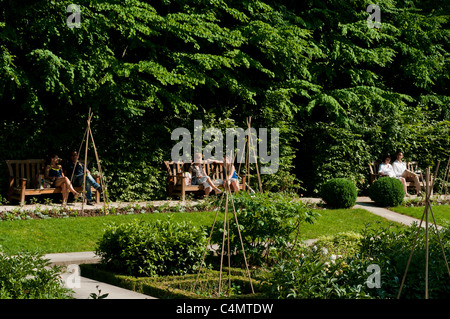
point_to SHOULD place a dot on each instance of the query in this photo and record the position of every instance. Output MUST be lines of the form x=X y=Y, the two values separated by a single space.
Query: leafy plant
x=339 y=193
x=266 y=221
x=309 y=272
x=151 y=249
x=98 y=295
x=391 y=248
x=387 y=191
x=338 y=266
x=28 y=276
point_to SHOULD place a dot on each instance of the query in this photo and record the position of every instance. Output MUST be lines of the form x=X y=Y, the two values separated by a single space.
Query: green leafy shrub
x=152 y=249
x=390 y=248
x=345 y=244
x=337 y=266
x=311 y=272
x=339 y=193
x=27 y=276
x=266 y=221
x=387 y=191
x=134 y=179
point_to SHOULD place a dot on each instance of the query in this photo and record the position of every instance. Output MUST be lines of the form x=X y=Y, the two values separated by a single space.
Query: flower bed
x=45 y=212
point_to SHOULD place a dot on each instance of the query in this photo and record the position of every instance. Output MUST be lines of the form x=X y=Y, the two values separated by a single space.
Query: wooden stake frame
x=226 y=226
x=445 y=178
x=250 y=147
x=88 y=135
x=425 y=214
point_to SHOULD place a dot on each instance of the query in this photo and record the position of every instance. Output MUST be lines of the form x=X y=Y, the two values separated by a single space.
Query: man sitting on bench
x=73 y=165
x=401 y=171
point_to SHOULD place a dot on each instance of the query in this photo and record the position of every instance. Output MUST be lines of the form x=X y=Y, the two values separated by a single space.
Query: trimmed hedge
x=339 y=193
x=176 y=287
x=387 y=191
x=152 y=249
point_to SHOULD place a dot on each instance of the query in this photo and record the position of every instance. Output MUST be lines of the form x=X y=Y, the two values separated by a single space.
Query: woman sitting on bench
x=54 y=173
x=231 y=175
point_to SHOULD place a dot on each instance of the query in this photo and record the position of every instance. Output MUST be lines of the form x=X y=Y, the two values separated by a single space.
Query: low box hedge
x=175 y=287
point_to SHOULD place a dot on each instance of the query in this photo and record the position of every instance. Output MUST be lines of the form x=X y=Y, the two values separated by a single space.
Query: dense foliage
x=387 y=191
x=266 y=221
x=339 y=193
x=152 y=249
x=341 y=93
x=28 y=276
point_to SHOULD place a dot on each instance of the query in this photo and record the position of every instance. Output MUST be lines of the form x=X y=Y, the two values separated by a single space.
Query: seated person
x=401 y=171
x=54 y=174
x=199 y=177
x=386 y=169
x=231 y=176
x=77 y=168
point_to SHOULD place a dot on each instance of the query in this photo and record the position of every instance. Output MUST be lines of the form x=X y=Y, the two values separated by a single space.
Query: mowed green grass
x=441 y=213
x=58 y=235
x=334 y=221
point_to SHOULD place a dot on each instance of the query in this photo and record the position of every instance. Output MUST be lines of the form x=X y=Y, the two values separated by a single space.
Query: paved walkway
x=83 y=287
x=387 y=214
x=367 y=204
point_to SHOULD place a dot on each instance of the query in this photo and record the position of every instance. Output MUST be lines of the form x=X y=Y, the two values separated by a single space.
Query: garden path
x=83 y=287
x=367 y=204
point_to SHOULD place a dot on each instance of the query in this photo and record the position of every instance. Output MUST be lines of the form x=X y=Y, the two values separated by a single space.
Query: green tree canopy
x=341 y=93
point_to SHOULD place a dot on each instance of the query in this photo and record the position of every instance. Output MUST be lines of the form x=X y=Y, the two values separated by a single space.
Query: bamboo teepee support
x=102 y=179
x=428 y=190
x=85 y=159
x=86 y=137
x=249 y=146
x=227 y=194
x=252 y=147
x=445 y=178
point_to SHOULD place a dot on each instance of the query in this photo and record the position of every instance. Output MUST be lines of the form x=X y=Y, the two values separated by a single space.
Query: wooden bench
x=412 y=166
x=176 y=185
x=23 y=176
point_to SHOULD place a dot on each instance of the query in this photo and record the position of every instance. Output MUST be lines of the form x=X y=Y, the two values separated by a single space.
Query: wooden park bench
x=412 y=166
x=176 y=185
x=23 y=180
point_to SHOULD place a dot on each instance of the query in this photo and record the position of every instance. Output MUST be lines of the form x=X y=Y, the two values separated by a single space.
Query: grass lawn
x=440 y=212
x=58 y=235
x=73 y=234
x=333 y=221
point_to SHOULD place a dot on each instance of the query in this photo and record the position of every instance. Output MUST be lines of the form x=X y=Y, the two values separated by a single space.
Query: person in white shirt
x=386 y=169
x=401 y=171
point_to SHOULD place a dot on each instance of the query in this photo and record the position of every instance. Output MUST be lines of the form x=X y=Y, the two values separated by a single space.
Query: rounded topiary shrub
x=339 y=193
x=387 y=191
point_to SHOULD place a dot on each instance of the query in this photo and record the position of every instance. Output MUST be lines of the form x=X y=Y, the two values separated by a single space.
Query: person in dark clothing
x=73 y=166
